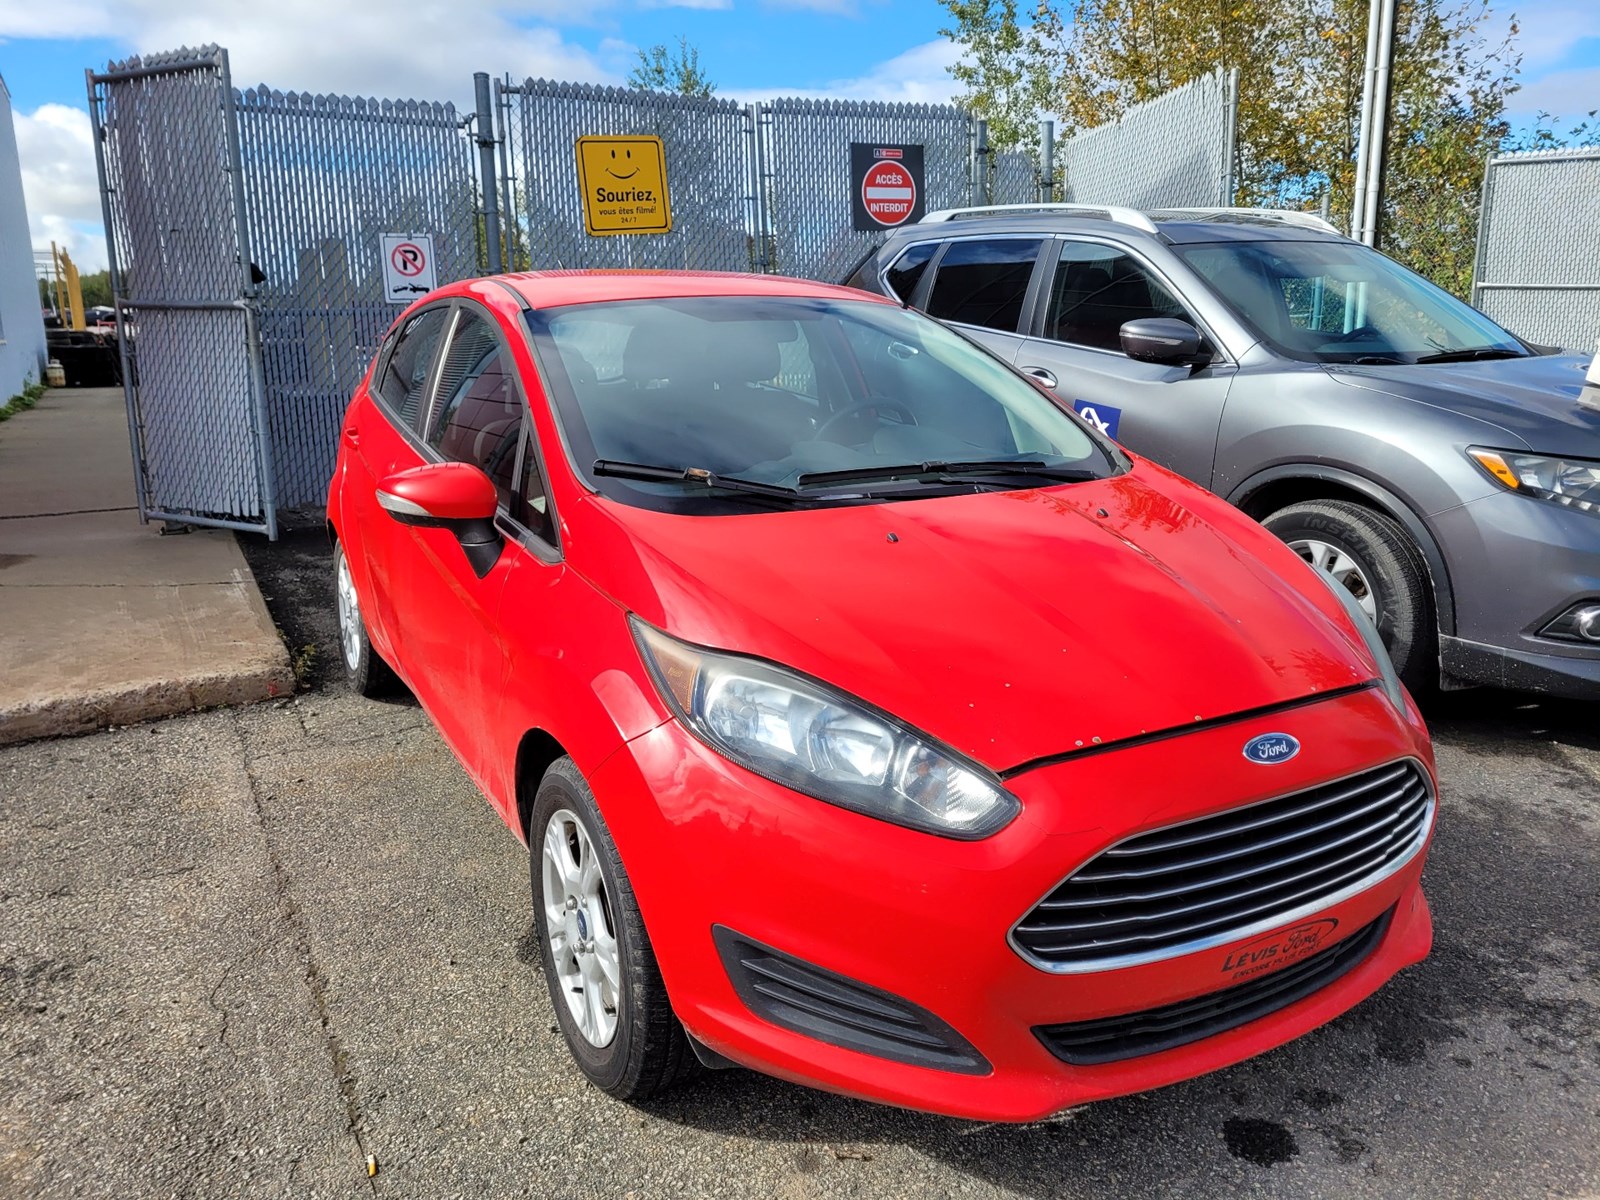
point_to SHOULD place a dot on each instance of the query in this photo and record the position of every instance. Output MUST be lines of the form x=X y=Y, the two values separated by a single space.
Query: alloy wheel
x=1345 y=569
x=349 y=615
x=578 y=924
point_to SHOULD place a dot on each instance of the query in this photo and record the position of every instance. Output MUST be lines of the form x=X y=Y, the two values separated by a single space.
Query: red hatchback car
x=870 y=720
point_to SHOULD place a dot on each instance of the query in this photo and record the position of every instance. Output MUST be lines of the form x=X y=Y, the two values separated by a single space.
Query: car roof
x=550 y=289
x=1174 y=226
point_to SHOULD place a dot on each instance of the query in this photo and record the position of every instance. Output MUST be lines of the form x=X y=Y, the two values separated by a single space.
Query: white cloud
x=1548 y=29
x=59 y=183
x=1570 y=95
x=838 y=8
x=921 y=75
x=703 y=4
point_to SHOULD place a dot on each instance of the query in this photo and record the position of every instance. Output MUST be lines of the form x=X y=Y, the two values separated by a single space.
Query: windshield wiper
x=1476 y=354
x=699 y=475
x=946 y=471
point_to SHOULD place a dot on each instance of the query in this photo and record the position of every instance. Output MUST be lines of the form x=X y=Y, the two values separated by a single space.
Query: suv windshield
x=1341 y=302
x=713 y=404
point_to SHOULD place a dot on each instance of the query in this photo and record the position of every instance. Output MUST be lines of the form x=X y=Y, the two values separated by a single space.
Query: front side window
x=1097 y=289
x=477 y=412
x=405 y=374
x=1324 y=301
x=786 y=393
x=983 y=281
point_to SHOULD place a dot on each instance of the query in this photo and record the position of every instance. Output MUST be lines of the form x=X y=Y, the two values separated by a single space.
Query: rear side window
x=908 y=270
x=477 y=416
x=405 y=375
x=983 y=282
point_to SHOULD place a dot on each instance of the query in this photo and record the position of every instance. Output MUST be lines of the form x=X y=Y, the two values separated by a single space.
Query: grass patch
x=25 y=399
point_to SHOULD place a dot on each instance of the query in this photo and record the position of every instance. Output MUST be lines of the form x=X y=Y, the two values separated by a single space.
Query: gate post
x=980 y=174
x=488 y=182
x=758 y=189
x=1047 y=161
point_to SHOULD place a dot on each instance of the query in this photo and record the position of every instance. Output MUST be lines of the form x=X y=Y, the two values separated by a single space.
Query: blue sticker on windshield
x=1102 y=416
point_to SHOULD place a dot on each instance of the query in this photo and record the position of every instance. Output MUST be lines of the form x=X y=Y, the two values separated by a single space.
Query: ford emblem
x=1271 y=748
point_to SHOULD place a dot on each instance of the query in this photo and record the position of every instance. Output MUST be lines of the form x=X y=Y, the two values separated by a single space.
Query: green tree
x=661 y=70
x=1300 y=64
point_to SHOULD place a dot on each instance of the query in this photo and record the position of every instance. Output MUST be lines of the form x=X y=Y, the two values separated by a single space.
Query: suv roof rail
x=1283 y=216
x=1106 y=212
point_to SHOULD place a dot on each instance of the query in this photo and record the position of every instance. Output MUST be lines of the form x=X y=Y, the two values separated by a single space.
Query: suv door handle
x=1043 y=376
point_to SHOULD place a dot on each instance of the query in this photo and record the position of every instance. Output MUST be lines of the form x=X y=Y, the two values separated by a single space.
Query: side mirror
x=454 y=496
x=1163 y=340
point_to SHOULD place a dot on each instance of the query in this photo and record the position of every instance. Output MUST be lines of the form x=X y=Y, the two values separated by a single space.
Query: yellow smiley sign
x=624 y=185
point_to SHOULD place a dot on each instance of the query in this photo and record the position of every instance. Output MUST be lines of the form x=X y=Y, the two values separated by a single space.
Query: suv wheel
x=1376 y=561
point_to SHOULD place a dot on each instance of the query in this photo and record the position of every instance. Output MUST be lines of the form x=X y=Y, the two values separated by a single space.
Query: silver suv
x=1442 y=469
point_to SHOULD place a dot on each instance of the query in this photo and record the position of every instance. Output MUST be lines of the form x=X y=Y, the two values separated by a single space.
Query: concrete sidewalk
x=103 y=621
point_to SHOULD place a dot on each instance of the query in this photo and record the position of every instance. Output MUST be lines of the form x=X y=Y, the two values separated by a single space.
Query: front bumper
x=926 y=919
x=1515 y=563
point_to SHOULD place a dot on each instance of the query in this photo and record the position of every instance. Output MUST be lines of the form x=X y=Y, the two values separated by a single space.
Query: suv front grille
x=1109 y=1039
x=1216 y=879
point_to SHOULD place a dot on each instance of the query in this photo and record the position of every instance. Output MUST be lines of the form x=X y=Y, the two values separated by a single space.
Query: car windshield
x=1339 y=302
x=724 y=403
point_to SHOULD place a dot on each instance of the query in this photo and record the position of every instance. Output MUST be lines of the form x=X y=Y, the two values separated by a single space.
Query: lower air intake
x=1110 y=1039
x=831 y=1008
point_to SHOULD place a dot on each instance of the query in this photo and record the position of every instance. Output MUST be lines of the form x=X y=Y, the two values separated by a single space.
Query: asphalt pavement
x=241 y=951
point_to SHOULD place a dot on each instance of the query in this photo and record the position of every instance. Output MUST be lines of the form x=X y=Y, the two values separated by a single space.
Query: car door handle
x=1043 y=376
x=352 y=435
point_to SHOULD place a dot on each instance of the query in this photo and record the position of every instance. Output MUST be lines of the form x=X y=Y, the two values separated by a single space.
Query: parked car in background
x=870 y=721
x=1442 y=470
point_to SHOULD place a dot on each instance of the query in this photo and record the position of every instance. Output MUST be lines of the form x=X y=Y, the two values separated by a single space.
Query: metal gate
x=707 y=143
x=325 y=177
x=1538 y=266
x=168 y=150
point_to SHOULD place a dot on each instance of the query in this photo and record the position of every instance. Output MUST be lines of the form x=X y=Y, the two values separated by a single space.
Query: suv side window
x=983 y=281
x=908 y=270
x=405 y=374
x=1097 y=288
x=477 y=412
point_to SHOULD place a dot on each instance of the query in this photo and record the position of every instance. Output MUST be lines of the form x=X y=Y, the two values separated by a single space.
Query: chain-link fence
x=245 y=230
x=711 y=179
x=1170 y=152
x=168 y=157
x=324 y=178
x=804 y=161
x=1538 y=265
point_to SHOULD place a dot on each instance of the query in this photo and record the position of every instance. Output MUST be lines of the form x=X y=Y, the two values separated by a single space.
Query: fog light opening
x=1586 y=621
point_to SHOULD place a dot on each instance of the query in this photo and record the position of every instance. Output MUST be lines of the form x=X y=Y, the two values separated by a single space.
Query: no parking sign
x=885 y=185
x=408 y=267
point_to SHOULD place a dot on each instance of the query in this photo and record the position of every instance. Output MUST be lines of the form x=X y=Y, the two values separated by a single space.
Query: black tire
x=366 y=671
x=1393 y=565
x=649 y=1051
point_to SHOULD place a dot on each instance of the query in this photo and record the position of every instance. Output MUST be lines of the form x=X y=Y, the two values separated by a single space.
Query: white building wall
x=22 y=346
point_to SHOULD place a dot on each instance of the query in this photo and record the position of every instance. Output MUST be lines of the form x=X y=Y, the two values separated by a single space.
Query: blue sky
x=867 y=49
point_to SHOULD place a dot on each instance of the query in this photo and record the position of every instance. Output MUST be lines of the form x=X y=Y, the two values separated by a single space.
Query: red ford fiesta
x=871 y=721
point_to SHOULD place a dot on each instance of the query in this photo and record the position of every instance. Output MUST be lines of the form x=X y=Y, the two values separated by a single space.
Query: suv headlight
x=1392 y=687
x=1574 y=482
x=809 y=737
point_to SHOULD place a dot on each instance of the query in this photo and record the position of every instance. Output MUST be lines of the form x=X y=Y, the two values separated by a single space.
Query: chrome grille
x=1219 y=878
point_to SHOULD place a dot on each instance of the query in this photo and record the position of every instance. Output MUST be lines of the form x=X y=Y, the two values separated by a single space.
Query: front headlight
x=1392 y=686
x=1574 y=482
x=809 y=737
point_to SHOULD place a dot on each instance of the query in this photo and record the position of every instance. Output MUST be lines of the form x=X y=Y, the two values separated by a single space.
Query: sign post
x=624 y=185
x=885 y=186
x=408 y=266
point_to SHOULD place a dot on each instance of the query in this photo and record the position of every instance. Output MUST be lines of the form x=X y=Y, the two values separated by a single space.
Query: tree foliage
x=1301 y=65
x=660 y=69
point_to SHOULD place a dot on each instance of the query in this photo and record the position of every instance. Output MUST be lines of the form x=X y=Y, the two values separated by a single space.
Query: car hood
x=1540 y=400
x=1010 y=625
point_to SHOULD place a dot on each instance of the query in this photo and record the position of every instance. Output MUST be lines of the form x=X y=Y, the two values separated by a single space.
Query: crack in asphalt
x=316 y=979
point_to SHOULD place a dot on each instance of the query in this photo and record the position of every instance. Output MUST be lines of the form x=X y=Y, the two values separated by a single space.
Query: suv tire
x=1371 y=552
